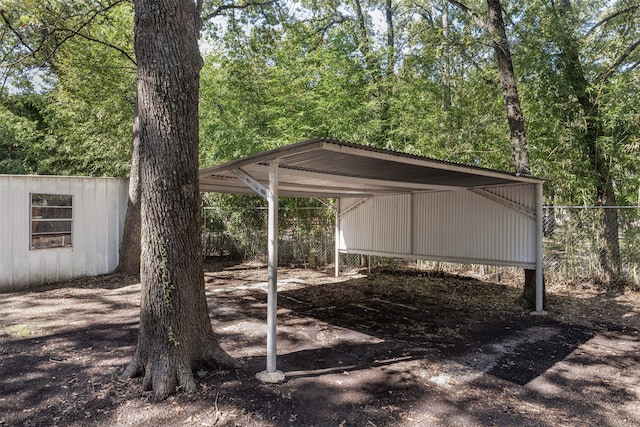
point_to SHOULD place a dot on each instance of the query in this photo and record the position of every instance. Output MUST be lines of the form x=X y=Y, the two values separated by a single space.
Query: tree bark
x=515 y=117
x=386 y=84
x=528 y=297
x=175 y=333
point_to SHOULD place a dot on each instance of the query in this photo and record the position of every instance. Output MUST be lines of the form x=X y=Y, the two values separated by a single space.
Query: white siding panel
x=88 y=234
x=100 y=240
x=391 y=226
x=80 y=190
x=99 y=206
x=457 y=226
x=6 y=250
x=356 y=226
x=19 y=212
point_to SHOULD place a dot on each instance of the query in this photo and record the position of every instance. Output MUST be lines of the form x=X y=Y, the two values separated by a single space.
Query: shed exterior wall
x=455 y=226
x=99 y=207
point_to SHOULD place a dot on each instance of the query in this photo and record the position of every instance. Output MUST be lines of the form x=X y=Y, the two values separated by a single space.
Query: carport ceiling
x=328 y=168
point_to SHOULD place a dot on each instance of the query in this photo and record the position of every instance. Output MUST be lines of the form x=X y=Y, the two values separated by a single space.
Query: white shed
x=55 y=228
x=395 y=204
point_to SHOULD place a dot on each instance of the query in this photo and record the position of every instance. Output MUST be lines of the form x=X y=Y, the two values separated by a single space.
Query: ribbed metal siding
x=391 y=224
x=356 y=228
x=457 y=226
x=99 y=207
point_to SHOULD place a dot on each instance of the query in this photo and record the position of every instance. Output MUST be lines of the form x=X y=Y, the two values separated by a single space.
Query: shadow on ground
x=385 y=350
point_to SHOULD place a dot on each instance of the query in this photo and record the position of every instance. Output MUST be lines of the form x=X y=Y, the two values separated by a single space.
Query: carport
x=393 y=204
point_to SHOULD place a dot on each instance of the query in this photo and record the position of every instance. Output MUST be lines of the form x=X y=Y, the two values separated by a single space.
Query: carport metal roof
x=327 y=168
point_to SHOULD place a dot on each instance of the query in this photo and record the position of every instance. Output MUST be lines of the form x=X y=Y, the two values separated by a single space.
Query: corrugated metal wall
x=99 y=207
x=456 y=226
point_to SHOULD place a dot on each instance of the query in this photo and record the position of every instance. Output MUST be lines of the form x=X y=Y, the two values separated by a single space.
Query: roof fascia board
x=249 y=192
x=228 y=189
x=236 y=187
x=364 y=151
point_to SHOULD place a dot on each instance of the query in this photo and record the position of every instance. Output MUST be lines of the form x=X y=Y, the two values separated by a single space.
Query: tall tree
x=495 y=27
x=588 y=92
x=175 y=331
x=580 y=62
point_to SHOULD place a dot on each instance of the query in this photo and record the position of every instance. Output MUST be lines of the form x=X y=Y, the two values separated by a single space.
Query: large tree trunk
x=175 y=331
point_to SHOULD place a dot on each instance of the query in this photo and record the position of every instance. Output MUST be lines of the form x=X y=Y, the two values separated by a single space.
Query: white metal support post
x=337 y=239
x=271 y=375
x=539 y=237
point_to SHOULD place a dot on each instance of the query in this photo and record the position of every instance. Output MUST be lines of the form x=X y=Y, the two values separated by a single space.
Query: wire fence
x=581 y=244
x=305 y=237
x=592 y=244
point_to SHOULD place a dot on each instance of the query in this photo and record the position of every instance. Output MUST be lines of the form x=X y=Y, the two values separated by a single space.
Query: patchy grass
x=17 y=331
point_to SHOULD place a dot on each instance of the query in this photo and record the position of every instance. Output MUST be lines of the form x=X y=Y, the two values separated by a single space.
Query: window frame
x=52 y=218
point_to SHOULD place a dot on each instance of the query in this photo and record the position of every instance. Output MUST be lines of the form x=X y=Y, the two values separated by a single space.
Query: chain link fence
x=305 y=236
x=576 y=251
x=592 y=244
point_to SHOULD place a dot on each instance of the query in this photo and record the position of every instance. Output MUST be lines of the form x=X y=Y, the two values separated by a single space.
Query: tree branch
x=248 y=5
x=473 y=15
x=34 y=50
x=15 y=32
x=604 y=78
x=612 y=16
x=91 y=39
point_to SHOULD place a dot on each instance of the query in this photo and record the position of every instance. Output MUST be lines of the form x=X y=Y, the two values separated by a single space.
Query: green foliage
x=317 y=77
x=19 y=135
x=80 y=116
x=96 y=124
x=556 y=119
x=283 y=73
x=172 y=337
x=266 y=94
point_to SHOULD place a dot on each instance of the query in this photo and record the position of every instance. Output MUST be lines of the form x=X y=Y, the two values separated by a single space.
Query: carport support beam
x=336 y=254
x=271 y=375
x=539 y=237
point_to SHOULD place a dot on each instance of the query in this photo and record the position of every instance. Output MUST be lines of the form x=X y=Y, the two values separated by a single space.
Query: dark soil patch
x=389 y=349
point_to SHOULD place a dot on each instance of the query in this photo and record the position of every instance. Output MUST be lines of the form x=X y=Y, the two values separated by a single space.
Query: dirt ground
x=396 y=348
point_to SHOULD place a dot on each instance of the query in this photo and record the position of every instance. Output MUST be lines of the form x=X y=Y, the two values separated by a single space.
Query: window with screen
x=51 y=217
